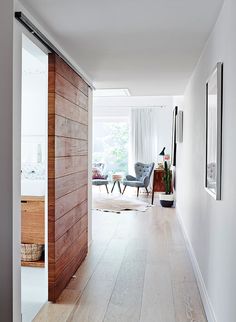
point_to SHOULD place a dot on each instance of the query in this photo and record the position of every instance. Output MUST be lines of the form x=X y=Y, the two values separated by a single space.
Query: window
x=110 y=144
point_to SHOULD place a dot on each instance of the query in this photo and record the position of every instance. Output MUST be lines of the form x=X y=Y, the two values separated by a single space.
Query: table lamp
x=162 y=153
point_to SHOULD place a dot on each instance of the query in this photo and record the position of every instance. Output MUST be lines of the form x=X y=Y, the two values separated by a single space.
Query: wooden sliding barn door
x=67 y=174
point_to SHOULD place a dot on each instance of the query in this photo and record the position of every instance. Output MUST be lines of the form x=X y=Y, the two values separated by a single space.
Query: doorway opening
x=34 y=156
x=129 y=133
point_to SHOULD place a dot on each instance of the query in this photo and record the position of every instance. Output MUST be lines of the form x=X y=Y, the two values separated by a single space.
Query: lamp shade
x=162 y=152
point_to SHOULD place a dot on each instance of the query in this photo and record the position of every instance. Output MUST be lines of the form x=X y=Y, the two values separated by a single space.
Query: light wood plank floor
x=137 y=269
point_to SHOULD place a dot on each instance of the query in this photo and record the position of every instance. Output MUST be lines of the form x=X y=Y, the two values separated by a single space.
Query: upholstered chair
x=103 y=181
x=143 y=174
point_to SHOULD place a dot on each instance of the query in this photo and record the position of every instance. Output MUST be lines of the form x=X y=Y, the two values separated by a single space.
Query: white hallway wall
x=210 y=224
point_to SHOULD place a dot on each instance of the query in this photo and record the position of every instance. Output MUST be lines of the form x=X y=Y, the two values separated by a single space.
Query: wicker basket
x=31 y=252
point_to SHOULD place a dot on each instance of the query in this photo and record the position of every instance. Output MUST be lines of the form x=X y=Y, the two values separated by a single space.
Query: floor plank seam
x=76 y=304
x=114 y=283
x=141 y=306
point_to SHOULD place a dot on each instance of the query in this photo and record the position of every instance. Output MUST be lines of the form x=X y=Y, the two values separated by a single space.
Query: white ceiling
x=147 y=46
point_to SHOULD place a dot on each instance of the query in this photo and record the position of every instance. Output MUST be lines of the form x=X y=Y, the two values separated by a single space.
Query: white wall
x=210 y=224
x=164 y=130
x=34 y=102
x=6 y=141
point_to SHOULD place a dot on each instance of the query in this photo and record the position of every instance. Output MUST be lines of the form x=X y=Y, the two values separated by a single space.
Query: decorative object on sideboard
x=214 y=105
x=179 y=127
x=167 y=198
x=166 y=158
x=160 y=166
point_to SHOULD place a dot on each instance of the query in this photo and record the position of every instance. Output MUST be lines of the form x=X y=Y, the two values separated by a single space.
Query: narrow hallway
x=137 y=269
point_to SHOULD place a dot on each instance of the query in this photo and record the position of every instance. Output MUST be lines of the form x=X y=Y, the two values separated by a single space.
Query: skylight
x=111 y=92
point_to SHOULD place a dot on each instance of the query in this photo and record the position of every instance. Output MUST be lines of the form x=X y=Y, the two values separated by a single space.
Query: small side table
x=117 y=178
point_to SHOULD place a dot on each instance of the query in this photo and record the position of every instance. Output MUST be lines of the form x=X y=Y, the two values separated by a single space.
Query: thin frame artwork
x=214 y=104
x=174 y=143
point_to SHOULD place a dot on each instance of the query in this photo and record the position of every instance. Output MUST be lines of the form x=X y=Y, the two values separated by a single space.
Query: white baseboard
x=201 y=285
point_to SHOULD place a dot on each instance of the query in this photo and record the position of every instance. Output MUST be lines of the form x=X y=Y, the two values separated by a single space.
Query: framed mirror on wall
x=214 y=104
x=174 y=141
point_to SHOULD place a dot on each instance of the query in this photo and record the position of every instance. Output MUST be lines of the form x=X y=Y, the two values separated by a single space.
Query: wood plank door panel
x=67 y=174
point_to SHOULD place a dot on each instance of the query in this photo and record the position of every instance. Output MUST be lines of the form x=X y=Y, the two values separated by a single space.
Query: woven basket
x=31 y=252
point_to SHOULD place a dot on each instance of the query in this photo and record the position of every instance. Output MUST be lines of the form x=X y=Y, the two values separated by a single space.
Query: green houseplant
x=167 y=198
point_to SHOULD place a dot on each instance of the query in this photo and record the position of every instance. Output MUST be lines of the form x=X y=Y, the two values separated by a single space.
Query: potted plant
x=167 y=198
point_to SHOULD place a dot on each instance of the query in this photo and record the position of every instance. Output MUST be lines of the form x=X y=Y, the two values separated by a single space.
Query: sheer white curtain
x=143 y=136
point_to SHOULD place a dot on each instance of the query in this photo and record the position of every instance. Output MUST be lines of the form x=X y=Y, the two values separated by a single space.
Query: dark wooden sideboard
x=158 y=184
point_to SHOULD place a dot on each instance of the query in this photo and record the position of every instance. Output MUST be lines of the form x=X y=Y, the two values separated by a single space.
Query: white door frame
x=19 y=30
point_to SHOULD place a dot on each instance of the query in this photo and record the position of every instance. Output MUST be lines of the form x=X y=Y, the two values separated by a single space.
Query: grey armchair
x=143 y=173
x=100 y=182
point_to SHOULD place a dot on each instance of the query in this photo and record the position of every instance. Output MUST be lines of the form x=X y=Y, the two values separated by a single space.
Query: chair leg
x=118 y=182
x=124 y=190
x=107 y=189
x=137 y=191
x=113 y=186
x=147 y=190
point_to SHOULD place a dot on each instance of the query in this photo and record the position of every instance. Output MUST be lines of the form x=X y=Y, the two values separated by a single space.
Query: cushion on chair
x=130 y=178
x=97 y=173
x=99 y=182
x=133 y=183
